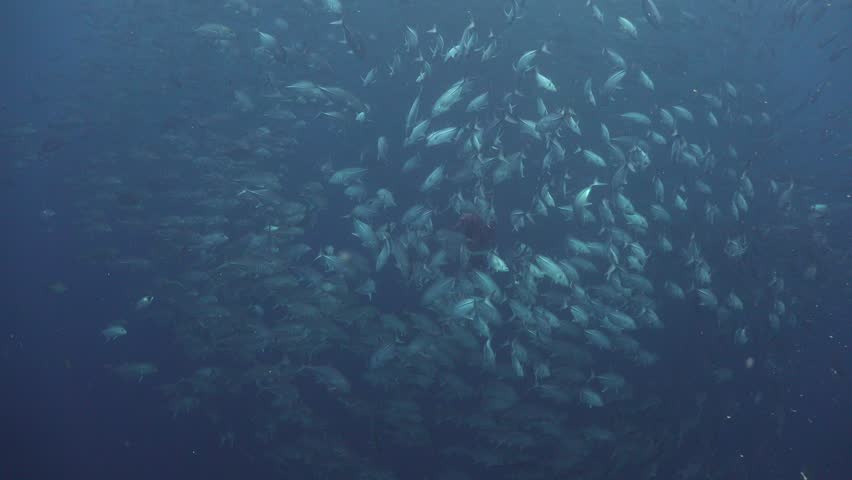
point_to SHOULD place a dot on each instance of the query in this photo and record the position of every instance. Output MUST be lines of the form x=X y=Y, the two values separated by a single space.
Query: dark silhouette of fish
x=827 y=41
x=51 y=144
x=353 y=40
x=838 y=53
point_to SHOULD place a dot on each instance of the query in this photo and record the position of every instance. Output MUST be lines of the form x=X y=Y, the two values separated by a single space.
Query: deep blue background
x=63 y=416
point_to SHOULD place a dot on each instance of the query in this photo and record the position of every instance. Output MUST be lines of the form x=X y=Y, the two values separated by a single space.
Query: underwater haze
x=444 y=240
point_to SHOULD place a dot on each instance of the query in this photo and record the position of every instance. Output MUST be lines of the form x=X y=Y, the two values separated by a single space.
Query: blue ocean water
x=129 y=90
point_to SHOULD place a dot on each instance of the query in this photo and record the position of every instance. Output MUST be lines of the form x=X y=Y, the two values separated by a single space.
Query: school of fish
x=468 y=237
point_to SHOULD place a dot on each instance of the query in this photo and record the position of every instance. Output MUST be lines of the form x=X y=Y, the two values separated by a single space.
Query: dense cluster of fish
x=463 y=243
